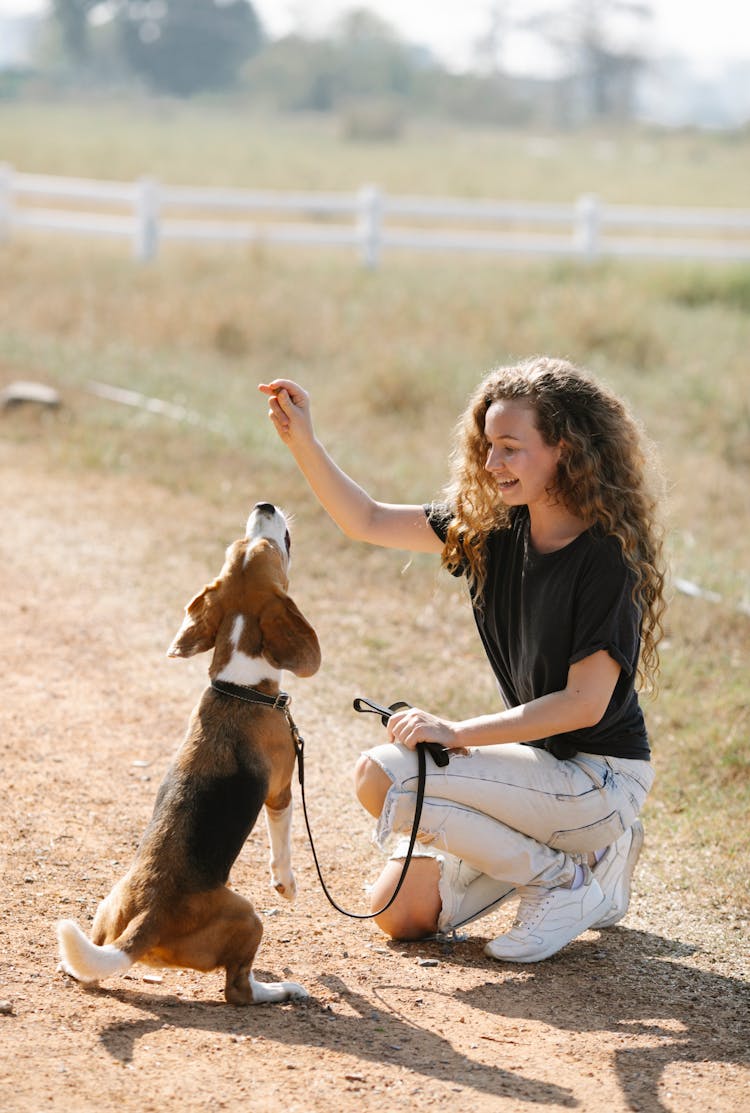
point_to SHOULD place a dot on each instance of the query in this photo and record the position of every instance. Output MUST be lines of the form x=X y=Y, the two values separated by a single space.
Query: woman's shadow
x=632 y=984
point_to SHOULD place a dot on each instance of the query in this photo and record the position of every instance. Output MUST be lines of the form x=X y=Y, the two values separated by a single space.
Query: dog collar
x=252 y=695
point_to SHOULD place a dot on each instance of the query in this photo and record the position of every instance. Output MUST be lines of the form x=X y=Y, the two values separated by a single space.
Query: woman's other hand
x=412 y=726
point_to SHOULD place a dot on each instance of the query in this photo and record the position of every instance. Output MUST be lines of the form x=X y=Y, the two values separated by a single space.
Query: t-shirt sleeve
x=439 y=516
x=606 y=615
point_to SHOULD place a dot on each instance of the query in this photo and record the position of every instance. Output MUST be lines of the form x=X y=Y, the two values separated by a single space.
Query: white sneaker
x=547 y=919
x=614 y=872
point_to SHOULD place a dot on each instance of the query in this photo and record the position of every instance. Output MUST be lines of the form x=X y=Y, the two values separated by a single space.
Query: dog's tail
x=84 y=960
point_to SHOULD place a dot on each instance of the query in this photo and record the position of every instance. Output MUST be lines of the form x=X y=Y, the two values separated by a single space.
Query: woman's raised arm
x=355 y=512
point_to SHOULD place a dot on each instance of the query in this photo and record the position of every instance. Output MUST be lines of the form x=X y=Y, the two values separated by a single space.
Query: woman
x=549 y=518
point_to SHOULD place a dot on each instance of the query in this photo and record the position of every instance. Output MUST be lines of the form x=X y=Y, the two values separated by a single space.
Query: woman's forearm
x=350 y=507
x=581 y=703
x=354 y=511
x=556 y=713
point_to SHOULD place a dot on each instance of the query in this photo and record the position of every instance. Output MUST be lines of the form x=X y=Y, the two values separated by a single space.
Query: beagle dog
x=173 y=907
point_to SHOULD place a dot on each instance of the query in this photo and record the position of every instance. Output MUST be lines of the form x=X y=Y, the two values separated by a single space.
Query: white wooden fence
x=148 y=213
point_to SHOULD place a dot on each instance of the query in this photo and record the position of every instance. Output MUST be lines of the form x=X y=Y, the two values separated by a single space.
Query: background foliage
x=186 y=47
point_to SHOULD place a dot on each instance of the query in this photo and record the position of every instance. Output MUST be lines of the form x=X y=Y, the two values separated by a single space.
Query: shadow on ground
x=631 y=986
x=664 y=1008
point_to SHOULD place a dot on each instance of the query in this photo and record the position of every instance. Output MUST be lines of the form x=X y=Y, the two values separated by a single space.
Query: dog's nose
x=266 y=508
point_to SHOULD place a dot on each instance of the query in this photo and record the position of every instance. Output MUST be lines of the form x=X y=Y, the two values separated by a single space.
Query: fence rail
x=148 y=213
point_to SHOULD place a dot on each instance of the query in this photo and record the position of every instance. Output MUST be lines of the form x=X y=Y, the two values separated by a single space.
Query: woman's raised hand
x=288 y=409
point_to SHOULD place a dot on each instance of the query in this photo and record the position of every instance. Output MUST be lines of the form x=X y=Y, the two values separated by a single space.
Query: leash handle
x=365 y=705
x=438 y=753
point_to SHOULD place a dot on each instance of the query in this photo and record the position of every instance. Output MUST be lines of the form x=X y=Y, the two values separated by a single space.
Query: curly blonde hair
x=602 y=478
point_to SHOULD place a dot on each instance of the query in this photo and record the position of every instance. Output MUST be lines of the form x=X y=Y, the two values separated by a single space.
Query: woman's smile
x=513 y=441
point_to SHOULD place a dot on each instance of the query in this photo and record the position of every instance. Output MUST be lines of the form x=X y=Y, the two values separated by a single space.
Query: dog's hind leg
x=227 y=932
x=241 y=987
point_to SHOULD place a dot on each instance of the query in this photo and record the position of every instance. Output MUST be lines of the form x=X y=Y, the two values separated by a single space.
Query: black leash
x=281 y=702
x=299 y=746
x=440 y=756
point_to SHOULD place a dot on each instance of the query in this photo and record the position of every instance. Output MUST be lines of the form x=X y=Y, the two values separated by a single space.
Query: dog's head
x=251 y=587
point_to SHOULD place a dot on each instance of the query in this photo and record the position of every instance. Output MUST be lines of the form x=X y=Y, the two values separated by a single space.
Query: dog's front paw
x=284 y=884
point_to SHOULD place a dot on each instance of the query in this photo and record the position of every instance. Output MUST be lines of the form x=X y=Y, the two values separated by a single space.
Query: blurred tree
x=490 y=45
x=72 y=17
x=371 y=57
x=361 y=59
x=363 y=71
x=295 y=74
x=600 y=44
x=186 y=46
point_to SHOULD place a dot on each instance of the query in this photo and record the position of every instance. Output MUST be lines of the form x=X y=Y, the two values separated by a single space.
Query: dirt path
x=651 y=1015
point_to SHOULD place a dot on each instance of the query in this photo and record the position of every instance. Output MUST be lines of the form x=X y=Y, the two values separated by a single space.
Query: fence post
x=146 y=243
x=587 y=226
x=6 y=201
x=368 y=224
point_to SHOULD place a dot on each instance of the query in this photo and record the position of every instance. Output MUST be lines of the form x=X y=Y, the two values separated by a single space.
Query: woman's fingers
x=288 y=407
x=277 y=415
x=285 y=402
x=409 y=728
x=393 y=726
x=294 y=391
x=412 y=726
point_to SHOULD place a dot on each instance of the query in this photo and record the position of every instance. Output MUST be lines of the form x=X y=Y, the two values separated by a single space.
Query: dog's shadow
x=384 y=1037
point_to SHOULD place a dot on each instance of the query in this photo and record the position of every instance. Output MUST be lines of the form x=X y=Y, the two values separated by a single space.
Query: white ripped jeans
x=505 y=816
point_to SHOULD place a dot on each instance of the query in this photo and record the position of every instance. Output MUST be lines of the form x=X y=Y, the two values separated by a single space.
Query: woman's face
x=520 y=462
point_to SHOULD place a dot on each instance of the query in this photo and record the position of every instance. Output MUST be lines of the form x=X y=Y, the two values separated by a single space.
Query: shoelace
x=530 y=908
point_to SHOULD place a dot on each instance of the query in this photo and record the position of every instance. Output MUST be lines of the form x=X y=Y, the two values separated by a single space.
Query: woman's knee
x=415 y=911
x=371 y=785
x=399 y=925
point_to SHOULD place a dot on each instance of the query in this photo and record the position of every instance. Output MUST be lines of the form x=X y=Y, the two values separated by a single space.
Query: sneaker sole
x=634 y=853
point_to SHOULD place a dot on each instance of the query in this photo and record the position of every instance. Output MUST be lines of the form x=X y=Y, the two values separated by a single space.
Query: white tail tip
x=84 y=960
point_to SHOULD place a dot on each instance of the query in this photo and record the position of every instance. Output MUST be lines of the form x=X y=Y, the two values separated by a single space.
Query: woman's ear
x=200 y=626
x=564 y=452
x=289 y=641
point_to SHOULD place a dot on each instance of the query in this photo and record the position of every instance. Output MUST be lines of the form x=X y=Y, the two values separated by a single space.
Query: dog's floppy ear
x=203 y=616
x=289 y=641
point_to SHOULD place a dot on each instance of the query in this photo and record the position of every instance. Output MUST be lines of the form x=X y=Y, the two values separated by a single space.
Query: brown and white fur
x=173 y=907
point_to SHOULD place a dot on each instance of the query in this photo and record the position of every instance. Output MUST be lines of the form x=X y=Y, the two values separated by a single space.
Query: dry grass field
x=390 y=357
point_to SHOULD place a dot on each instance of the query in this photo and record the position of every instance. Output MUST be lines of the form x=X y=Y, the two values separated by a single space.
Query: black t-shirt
x=543 y=612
